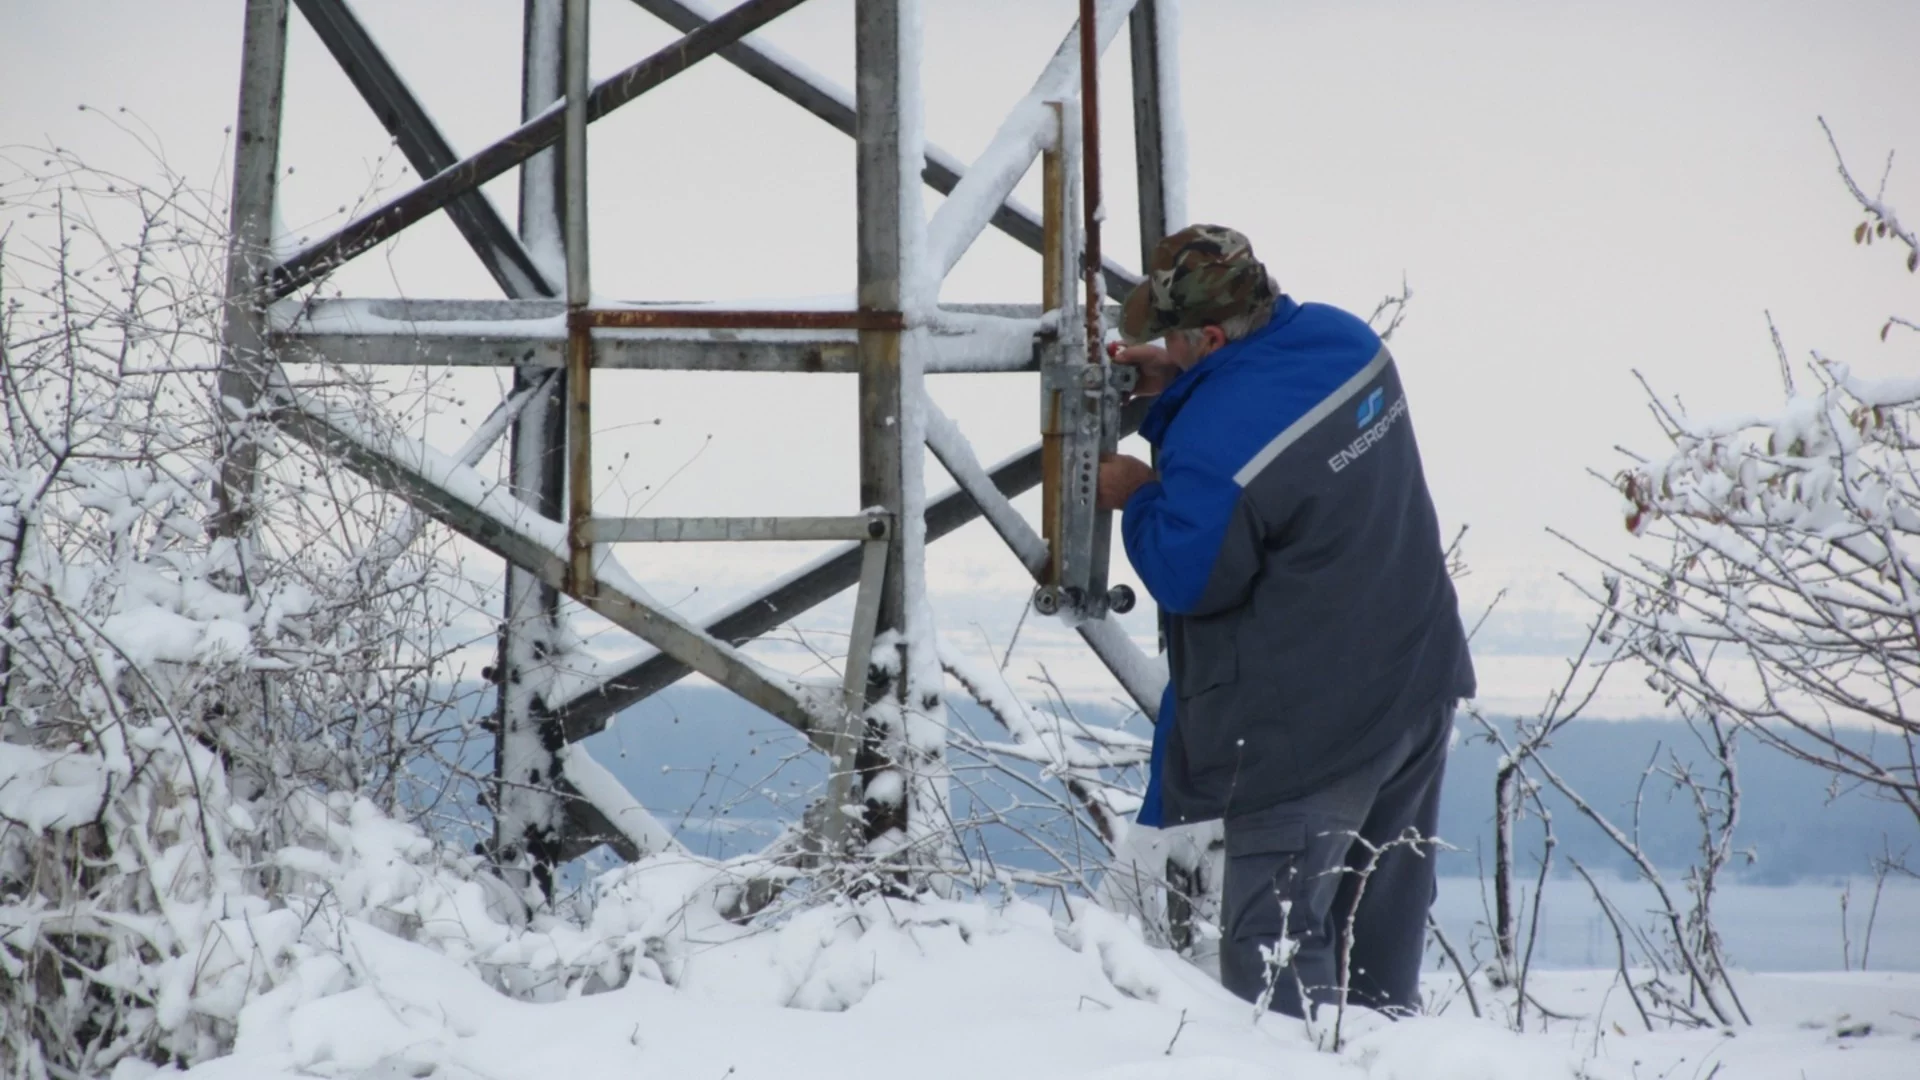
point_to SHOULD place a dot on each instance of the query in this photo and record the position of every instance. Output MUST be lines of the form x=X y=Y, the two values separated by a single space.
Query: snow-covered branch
x=1787 y=594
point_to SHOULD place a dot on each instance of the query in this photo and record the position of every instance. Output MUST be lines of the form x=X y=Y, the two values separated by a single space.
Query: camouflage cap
x=1202 y=275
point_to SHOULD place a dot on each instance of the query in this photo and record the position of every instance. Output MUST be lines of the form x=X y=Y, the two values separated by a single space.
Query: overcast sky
x=1574 y=191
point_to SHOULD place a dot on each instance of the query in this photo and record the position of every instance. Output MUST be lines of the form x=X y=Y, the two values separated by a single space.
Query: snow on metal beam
x=489 y=516
x=586 y=709
x=833 y=103
x=496 y=333
x=1141 y=677
x=613 y=816
x=1027 y=130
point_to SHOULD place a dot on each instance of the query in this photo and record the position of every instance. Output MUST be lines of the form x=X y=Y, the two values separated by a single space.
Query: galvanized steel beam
x=942 y=171
x=483 y=333
x=531 y=816
x=434 y=193
x=792 y=353
x=589 y=712
x=1149 y=131
x=495 y=523
x=420 y=141
x=671 y=318
x=673 y=530
x=244 y=358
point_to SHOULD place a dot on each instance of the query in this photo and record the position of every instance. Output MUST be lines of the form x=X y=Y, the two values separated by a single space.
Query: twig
x=1168 y=1052
x=1466 y=979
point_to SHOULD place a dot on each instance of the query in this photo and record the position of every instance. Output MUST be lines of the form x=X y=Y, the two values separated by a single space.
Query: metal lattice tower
x=553 y=338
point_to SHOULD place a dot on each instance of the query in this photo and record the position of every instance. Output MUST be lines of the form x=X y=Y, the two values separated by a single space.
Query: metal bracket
x=1084 y=401
x=1081 y=393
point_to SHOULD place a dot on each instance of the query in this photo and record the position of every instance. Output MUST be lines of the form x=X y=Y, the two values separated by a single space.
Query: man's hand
x=1120 y=476
x=1157 y=372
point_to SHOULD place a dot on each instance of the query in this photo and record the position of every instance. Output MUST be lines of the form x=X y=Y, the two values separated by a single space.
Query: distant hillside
x=728 y=775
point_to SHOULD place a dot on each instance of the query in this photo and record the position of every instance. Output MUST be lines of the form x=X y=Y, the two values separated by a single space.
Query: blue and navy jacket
x=1292 y=544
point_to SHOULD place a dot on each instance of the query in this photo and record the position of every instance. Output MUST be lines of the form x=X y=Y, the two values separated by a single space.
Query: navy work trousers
x=1304 y=864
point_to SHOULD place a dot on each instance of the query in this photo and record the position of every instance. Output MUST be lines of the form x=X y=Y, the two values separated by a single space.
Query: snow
x=42 y=790
x=1880 y=393
x=950 y=446
x=611 y=798
x=1142 y=676
x=152 y=633
x=385 y=954
x=965 y=990
x=962 y=341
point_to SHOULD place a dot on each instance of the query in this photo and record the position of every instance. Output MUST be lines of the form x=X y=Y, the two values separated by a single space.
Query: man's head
x=1203 y=289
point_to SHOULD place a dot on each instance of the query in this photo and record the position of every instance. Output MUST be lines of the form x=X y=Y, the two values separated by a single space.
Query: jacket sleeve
x=1193 y=544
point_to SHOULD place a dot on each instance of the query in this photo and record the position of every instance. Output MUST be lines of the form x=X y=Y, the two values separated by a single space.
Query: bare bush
x=1785 y=595
x=172 y=702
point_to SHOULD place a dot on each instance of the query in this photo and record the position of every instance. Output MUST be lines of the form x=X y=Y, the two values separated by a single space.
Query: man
x=1315 y=640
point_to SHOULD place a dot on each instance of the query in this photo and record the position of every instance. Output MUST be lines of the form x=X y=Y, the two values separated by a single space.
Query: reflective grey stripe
x=1314 y=415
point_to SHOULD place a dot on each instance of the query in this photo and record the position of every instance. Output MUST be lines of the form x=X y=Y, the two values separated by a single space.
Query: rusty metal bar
x=1055 y=293
x=710 y=319
x=388 y=220
x=425 y=148
x=579 y=460
x=1153 y=158
x=532 y=334
x=426 y=311
x=580 y=578
x=793 y=352
x=1090 y=205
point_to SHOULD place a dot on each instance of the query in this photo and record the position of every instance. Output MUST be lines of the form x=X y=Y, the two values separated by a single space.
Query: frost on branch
x=177 y=710
x=1786 y=595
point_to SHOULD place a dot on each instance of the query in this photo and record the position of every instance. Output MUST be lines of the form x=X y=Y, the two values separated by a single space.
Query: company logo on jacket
x=1369 y=409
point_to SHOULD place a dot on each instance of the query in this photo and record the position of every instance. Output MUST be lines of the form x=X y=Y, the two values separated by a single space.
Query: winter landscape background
x=727 y=777
x=1576 y=195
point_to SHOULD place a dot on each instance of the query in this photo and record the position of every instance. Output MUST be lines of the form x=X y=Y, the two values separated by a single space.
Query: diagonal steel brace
x=460 y=499
x=384 y=222
x=942 y=170
x=426 y=150
x=589 y=711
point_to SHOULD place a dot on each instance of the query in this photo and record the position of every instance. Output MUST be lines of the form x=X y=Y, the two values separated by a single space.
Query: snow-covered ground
x=934 y=989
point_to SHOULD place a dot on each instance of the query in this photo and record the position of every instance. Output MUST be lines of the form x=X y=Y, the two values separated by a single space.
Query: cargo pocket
x=1264 y=863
